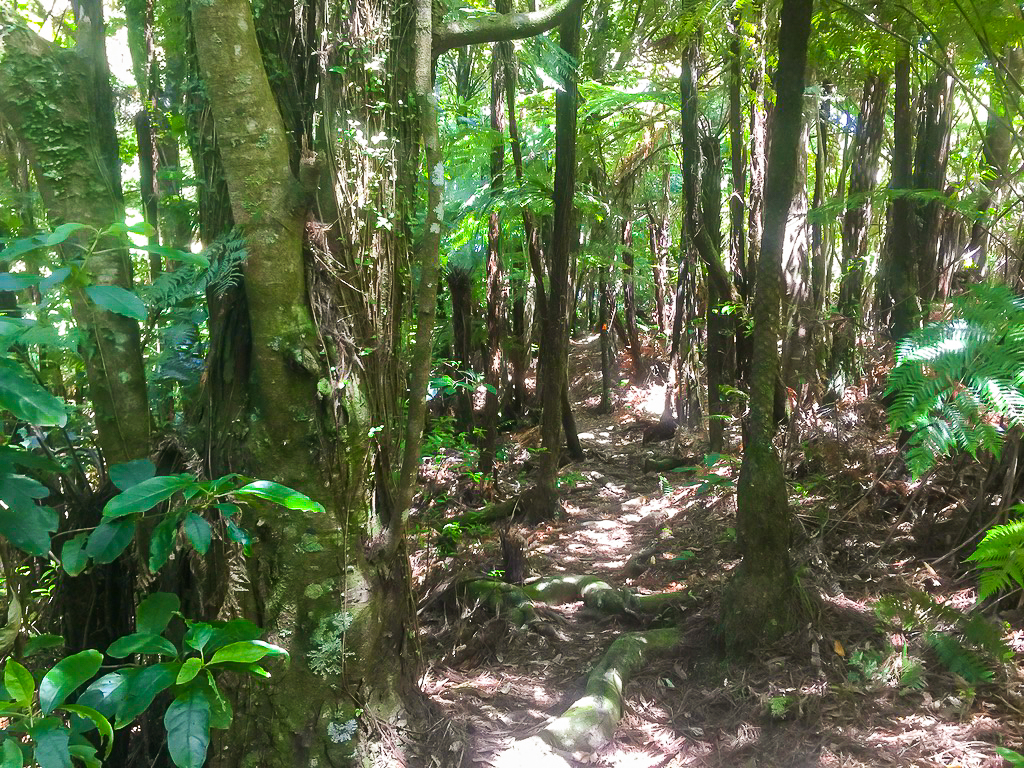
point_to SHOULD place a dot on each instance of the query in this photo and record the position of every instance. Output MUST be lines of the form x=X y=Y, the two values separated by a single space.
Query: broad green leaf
x=10 y=755
x=120 y=228
x=107 y=693
x=234 y=631
x=247 y=651
x=220 y=707
x=86 y=754
x=55 y=278
x=161 y=543
x=26 y=399
x=239 y=535
x=21 y=246
x=13 y=456
x=73 y=558
x=109 y=540
x=114 y=298
x=228 y=510
x=144 y=643
x=188 y=728
x=16 y=282
x=25 y=523
x=198 y=635
x=279 y=494
x=64 y=231
x=67 y=675
x=19 y=683
x=173 y=254
x=146 y=495
x=131 y=473
x=41 y=643
x=155 y=612
x=199 y=532
x=51 y=738
x=189 y=670
x=143 y=688
x=98 y=720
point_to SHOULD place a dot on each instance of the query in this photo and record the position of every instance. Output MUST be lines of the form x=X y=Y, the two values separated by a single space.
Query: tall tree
x=760 y=602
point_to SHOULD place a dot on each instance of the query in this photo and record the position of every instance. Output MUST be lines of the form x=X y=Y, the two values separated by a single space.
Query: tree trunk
x=554 y=339
x=760 y=603
x=496 y=289
x=843 y=369
x=900 y=268
x=931 y=156
x=629 y=289
x=460 y=288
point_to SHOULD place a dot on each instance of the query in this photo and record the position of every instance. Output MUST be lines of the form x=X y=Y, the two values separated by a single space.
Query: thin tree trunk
x=843 y=369
x=554 y=339
x=901 y=275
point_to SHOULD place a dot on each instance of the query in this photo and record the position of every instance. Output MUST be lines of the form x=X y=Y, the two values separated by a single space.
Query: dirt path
x=794 y=705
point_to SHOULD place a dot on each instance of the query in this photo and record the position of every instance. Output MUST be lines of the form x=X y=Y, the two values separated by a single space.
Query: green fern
x=956 y=383
x=959 y=659
x=1000 y=556
x=969 y=645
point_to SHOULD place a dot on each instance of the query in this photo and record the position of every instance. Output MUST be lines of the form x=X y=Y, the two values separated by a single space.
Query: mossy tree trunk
x=760 y=602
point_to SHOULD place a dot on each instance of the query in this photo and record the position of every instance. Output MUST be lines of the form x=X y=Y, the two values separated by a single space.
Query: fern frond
x=958 y=659
x=1000 y=556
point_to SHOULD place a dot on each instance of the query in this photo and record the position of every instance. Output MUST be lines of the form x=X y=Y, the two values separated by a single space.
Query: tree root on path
x=517 y=604
x=591 y=721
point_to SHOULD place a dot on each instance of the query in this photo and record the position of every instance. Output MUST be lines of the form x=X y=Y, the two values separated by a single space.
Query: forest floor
x=856 y=685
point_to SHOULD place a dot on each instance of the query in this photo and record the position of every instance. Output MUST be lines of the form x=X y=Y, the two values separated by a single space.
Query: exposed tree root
x=591 y=721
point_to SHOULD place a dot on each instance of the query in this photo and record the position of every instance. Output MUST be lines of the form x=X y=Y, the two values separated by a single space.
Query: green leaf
x=67 y=675
x=161 y=543
x=155 y=612
x=246 y=652
x=85 y=753
x=146 y=495
x=41 y=643
x=27 y=524
x=97 y=719
x=73 y=558
x=114 y=298
x=19 y=683
x=10 y=754
x=141 y=643
x=131 y=473
x=143 y=688
x=234 y=631
x=228 y=510
x=173 y=254
x=189 y=670
x=16 y=282
x=55 y=278
x=279 y=494
x=220 y=707
x=120 y=229
x=107 y=693
x=26 y=399
x=199 y=532
x=198 y=635
x=239 y=535
x=64 y=231
x=109 y=540
x=51 y=740
x=188 y=729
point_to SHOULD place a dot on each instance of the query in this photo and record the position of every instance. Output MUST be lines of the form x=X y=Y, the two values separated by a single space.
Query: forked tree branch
x=498 y=27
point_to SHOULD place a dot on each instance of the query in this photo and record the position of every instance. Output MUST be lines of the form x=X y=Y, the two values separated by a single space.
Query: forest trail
x=831 y=695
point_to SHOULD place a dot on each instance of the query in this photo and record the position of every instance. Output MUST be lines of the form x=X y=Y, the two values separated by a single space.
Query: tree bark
x=843 y=369
x=760 y=602
x=554 y=339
